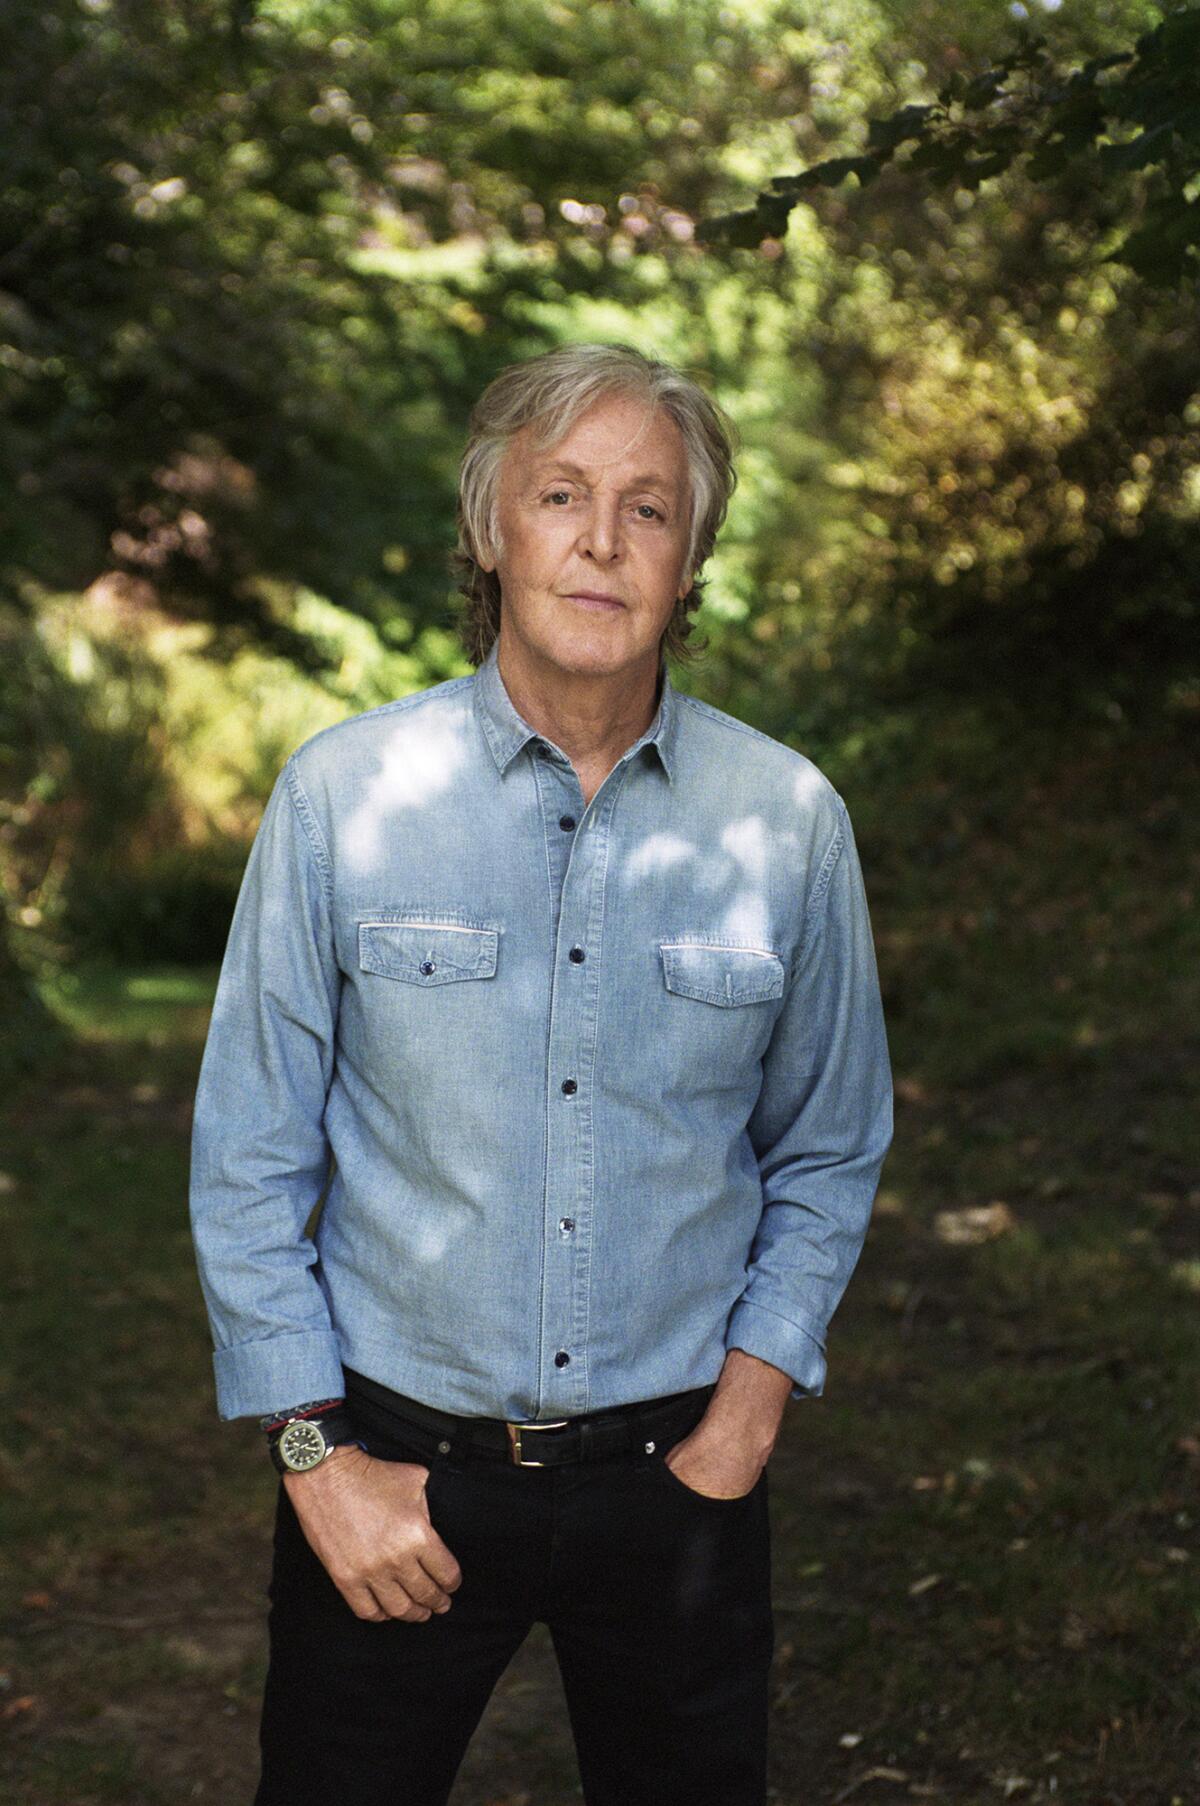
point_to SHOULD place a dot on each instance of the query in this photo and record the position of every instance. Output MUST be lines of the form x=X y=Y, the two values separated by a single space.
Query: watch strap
x=314 y=1407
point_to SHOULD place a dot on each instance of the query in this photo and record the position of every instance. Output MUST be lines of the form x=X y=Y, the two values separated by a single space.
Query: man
x=557 y=987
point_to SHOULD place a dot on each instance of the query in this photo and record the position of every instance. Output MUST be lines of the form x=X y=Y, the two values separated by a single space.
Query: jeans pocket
x=685 y=1491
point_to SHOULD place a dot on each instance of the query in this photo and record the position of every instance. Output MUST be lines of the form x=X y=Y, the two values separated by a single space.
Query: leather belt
x=639 y=1428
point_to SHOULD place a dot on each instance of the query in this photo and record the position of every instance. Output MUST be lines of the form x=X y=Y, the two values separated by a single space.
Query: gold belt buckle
x=517 y=1430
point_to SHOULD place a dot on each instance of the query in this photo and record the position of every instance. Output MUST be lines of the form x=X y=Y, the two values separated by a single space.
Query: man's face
x=594 y=534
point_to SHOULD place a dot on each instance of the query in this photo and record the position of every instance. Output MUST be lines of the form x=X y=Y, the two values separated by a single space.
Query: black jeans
x=657 y=1601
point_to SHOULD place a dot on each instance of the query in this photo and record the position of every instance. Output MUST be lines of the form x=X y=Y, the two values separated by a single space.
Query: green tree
x=1133 y=111
x=256 y=261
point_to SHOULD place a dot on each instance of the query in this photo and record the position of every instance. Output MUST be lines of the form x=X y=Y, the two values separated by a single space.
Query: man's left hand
x=727 y=1451
x=718 y=1468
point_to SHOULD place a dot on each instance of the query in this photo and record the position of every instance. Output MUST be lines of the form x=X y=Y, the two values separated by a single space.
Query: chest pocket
x=725 y=976
x=427 y=953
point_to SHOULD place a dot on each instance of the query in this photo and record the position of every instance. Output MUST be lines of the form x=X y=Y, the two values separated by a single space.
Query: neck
x=594 y=719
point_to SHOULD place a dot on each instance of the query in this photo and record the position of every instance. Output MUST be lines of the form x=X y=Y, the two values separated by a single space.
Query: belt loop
x=587 y=1436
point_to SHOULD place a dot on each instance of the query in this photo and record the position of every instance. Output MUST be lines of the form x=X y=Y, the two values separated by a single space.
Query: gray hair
x=549 y=393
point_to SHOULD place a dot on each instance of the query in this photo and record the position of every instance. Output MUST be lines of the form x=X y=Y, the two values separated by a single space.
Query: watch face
x=301 y=1446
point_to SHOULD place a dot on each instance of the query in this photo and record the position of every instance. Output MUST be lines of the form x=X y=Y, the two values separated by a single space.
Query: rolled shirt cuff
x=785 y=1344
x=252 y=1377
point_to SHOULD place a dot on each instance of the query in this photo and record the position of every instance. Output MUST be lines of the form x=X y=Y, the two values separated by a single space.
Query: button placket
x=570 y=1128
x=561 y=1383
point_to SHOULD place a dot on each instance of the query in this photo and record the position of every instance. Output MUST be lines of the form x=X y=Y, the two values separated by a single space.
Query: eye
x=646 y=512
x=557 y=496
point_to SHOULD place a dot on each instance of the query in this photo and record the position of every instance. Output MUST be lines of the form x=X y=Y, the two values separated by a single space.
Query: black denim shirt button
x=570 y=1087
x=566 y=823
x=577 y=956
x=562 y=1358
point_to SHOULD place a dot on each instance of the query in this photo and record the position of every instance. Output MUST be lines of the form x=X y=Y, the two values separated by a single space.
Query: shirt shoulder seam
x=821 y=883
x=813 y=921
x=450 y=686
x=723 y=719
x=313 y=837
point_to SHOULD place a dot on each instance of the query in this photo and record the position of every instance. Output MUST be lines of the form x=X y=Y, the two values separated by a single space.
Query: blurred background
x=257 y=259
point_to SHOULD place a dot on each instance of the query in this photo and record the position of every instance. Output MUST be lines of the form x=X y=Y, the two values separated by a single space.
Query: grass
x=986 y=1550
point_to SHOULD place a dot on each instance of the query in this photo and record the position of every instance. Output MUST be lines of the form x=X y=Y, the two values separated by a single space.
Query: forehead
x=617 y=438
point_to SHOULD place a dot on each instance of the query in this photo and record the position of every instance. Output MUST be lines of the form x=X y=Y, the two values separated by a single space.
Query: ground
x=986 y=1550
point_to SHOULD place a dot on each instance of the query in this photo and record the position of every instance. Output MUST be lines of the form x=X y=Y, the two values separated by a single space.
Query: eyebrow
x=648 y=480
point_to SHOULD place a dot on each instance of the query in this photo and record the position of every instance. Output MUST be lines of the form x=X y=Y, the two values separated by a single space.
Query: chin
x=589 y=653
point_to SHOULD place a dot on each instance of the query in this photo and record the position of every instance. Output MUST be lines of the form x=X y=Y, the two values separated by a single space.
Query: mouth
x=595 y=599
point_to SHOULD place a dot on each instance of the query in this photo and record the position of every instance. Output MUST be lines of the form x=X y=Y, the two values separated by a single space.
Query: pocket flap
x=427 y=953
x=721 y=975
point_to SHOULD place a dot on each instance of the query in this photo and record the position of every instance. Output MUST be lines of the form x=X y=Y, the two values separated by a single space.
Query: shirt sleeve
x=260 y=1156
x=820 y=1129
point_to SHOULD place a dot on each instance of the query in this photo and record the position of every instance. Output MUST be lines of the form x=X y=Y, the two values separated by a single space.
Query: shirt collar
x=507 y=732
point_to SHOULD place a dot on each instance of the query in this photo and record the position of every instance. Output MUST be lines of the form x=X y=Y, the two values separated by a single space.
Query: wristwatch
x=304 y=1442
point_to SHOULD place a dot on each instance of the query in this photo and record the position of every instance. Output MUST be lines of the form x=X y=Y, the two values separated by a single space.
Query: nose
x=600 y=534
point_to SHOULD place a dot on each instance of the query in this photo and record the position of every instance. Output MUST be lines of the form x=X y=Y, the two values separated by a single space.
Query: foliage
x=81 y=779
x=1004 y=506
x=256 y=261
x=254 y=265
x=1130 y=112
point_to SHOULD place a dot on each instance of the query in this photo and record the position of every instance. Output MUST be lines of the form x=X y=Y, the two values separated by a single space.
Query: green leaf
x=886 y=134
x=828 y=174
x=1029 y=55
x=1098 y=64
x=1049 y=159
x=943 y=159
x=1176 y=41
x=982 y=89
x=746 y=229
x=742 y=230
x=978 y=169
x=1148 y=147
x=1163 y=250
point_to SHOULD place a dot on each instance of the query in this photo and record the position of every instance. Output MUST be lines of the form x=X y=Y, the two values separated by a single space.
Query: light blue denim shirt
x=592 y=1093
